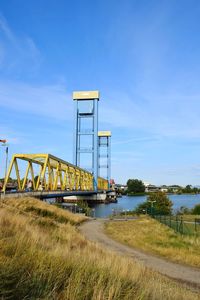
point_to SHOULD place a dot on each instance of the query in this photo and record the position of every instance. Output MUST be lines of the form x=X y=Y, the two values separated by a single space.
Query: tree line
x=137 y=187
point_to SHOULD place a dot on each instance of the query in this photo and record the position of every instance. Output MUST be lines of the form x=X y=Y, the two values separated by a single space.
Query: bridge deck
x=51 y=194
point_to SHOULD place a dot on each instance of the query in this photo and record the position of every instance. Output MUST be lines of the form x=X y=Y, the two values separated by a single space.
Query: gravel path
x=94 y=231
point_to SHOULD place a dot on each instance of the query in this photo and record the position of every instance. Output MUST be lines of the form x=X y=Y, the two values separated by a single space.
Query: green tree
x=157 y=203
x=162 y=205
x=135 y=186
x=188 y=189
x=143 y=208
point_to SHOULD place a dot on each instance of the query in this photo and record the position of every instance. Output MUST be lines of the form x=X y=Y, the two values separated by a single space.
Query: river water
x=130 y=202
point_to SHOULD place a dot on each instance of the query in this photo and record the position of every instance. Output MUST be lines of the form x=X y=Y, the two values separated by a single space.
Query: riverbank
x=43 y=256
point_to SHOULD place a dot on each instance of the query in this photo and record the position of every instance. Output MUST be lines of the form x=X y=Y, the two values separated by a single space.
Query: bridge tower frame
x=93 y=97
x=104 y=140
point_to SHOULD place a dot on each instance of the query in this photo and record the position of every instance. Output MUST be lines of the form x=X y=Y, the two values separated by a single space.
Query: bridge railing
x=54 y=174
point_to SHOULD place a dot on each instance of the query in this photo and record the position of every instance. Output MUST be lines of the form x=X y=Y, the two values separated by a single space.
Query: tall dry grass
x=150 y=235
x=43 y=256
x=42 y=209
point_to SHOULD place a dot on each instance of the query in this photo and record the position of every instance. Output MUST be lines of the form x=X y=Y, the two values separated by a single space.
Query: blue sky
x=143 y=56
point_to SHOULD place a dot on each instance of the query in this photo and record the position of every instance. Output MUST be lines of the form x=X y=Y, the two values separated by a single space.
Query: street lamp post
x=6 y=164
x=75 y=207
x=152 y=202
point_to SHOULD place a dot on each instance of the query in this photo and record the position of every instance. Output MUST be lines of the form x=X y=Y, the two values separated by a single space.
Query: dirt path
x=94 y=231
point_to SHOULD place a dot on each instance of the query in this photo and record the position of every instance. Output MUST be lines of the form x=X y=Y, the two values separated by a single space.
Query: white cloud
x=160 y=78
x=50 y=101
x=173 y=114
x=6 y=30
x=159 y=116
x=144 y=139
x=17 y=54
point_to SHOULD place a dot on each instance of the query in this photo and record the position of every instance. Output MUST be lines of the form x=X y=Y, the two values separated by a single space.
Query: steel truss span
x=50 y=173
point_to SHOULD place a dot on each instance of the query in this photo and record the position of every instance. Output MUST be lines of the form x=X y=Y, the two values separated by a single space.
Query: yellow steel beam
x=50 y=176
x=8 y=174
x=102 y=184
x=65 y=179
x=44 y=169
x=17 y=174
x=72 y=178
x=60 y=176
x=32 y=175
x=53 y=169
x=26 y=176
x=39 y=176
x=55 y=184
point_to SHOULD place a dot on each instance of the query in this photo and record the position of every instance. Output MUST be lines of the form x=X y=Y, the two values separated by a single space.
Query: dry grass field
x=151 y=236
x=43 y=256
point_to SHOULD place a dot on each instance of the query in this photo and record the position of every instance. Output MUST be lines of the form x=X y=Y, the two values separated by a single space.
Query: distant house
x=174 y=188
x=164 y=188
x=151 y=188
x=121 y=187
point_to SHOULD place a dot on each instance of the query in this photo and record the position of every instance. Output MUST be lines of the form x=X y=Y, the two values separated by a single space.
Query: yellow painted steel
x=102 y=184
x=86 y=95
x=54 y=174
x=104 y=133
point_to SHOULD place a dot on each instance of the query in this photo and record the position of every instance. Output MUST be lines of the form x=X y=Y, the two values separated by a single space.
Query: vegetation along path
x=94 y=231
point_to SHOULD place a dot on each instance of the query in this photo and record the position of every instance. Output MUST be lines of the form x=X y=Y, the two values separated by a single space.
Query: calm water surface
x=126 y=202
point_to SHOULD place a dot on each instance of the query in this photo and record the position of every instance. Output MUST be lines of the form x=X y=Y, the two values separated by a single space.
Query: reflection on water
x=129 y=203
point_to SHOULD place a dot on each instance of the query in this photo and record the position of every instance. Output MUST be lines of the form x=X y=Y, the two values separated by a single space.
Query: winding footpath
x=94 y=231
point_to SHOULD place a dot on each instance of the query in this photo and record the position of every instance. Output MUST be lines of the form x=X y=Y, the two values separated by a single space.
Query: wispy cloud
x=17 y=54
x=21 y=55
x=174 y=114
x=160 y=116
x=50 y=101
x=144 y=139
x=160 y=78
x=192 y=169
x=7 y=31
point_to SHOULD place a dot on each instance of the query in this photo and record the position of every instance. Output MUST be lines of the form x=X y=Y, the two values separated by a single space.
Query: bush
x=196 y=210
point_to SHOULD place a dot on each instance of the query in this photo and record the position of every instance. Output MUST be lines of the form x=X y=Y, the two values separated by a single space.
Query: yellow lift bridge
x=53 y=174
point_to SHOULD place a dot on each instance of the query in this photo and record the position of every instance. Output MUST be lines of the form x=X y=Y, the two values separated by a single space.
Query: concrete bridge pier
x=99 y=197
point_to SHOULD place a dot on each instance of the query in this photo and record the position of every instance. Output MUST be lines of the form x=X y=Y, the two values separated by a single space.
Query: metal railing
x=188 y=226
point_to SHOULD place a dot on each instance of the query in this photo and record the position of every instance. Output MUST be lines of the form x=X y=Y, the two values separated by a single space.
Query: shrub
x=196 y=210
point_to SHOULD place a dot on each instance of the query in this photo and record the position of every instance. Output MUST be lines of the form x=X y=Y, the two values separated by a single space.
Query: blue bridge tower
x=104 y=140
x=86 y=149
